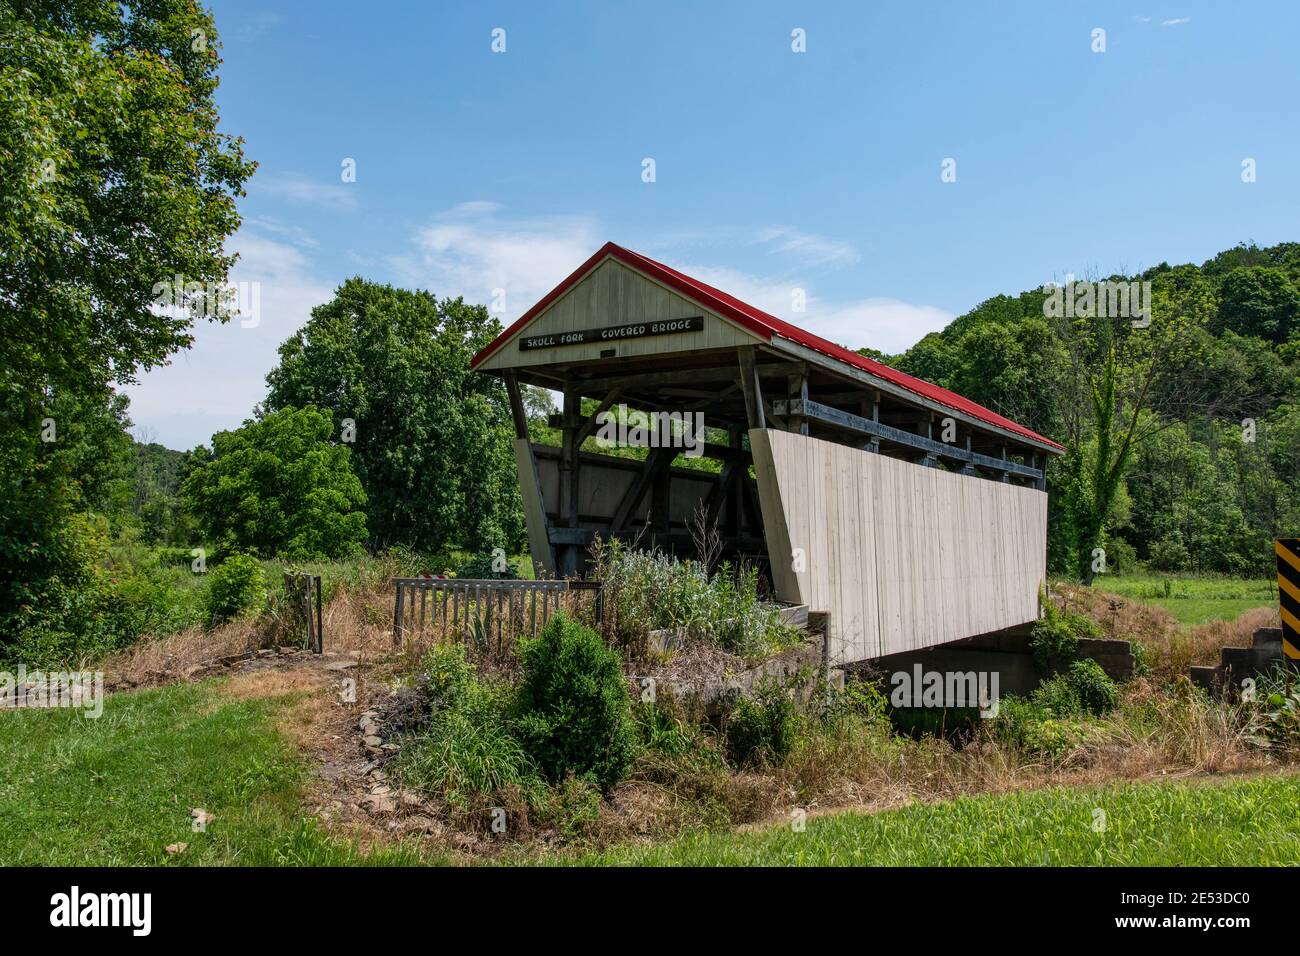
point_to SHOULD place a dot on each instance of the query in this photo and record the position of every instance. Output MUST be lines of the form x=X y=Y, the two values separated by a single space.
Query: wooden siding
x=602 y=482
x=902 y=556
x=615 y=294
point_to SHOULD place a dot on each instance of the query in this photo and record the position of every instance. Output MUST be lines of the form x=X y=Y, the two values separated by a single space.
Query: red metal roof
x=765 y=326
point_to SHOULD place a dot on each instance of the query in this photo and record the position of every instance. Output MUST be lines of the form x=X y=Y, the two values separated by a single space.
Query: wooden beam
x=516 y=405
x=685 y=377
x=659 y=458
x=937 y=449
x=749 y=383
x=591 y=423
x=572 y=537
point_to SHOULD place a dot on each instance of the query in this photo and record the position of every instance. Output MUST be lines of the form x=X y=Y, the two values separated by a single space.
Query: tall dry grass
x=1170 y=648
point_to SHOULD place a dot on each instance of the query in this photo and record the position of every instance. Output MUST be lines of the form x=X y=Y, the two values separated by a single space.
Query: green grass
x=1239 y=823
x=117 y=790
x=1193 y=600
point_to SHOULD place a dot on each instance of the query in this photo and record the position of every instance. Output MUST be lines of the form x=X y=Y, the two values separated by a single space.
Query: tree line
x=1182 y=430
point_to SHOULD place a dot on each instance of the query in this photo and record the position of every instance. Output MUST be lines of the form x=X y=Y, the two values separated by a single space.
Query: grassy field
x=119 y=789
x=1193 y=600
x=1238 y=822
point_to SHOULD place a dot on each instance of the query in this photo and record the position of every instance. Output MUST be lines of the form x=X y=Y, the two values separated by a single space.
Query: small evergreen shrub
x=762 y=728
x=236 y=586
x=572 y=709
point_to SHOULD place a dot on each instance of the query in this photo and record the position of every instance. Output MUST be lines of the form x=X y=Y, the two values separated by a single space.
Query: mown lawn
x=1220 y=823
x=117 y=790
x=1193 y=600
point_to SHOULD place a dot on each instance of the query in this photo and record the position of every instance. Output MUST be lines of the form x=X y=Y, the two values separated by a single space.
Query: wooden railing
x=486 y=612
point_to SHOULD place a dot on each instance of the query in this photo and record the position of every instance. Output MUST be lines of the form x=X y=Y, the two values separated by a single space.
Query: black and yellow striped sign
x=1288 y=593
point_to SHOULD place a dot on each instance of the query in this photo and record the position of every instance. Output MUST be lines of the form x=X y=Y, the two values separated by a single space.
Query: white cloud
x=890 y=325
x=1176 y=22
x=470 y=250
x=782 y=242
x=300 y=189
x=215 y=384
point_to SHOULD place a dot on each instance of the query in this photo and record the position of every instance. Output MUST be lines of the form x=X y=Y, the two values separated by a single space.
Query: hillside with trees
x=1182 y=436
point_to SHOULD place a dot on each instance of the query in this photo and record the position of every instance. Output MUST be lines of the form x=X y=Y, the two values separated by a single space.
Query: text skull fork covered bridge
x=912 y=515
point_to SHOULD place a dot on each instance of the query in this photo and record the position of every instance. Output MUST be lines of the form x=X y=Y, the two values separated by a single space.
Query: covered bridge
x=911 y=515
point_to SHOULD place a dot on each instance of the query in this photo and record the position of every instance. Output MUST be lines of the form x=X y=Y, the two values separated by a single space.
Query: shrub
x=235 y=586
x=482 y=567
x=762 y=728
x=1096 y=692
x=1055 y=636
x=858 y=701
x=648 y=590
x=1032 y=726
x=572 y=710
x=1170 y=554
x=1275 y=716
x=1056 y=697
x=466 y=751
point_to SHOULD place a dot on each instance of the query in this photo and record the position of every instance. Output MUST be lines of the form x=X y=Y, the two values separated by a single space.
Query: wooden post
x=925 y=429
x=568 y=554
x=530 y=486
x=797 y=387
x=660 y=499
x=397 y=618
x=751 y=386
x=516 y=406
x=731 y=491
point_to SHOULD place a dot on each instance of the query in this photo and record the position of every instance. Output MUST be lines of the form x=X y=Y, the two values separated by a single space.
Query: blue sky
x=774 y=170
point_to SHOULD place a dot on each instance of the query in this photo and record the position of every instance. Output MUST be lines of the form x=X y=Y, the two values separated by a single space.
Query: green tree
x=431 y=440
x=1261 y=302
x=113 y=178
x=278 y=486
